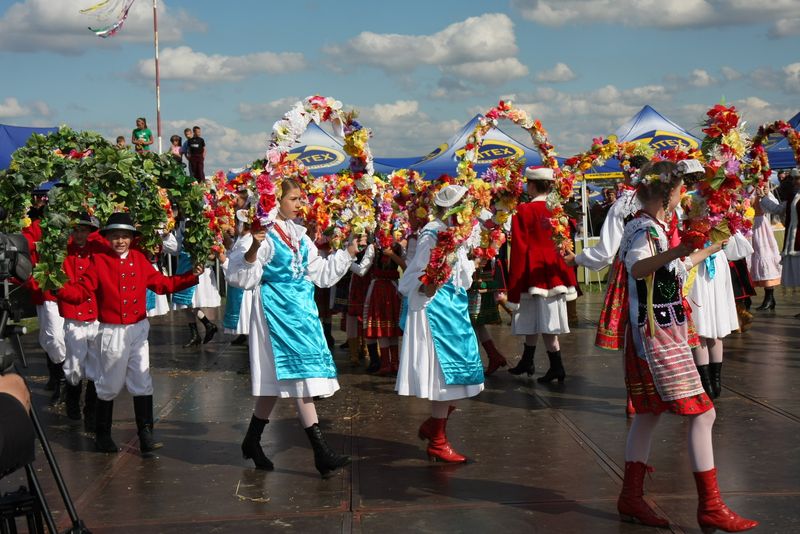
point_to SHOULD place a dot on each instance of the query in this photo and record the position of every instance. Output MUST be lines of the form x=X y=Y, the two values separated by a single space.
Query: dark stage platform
x=545 y=459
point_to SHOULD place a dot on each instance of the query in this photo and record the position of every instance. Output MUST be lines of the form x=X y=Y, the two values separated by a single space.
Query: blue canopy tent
x=647 y=125
x=780 y=154
x=496 y=144
x=13 y=137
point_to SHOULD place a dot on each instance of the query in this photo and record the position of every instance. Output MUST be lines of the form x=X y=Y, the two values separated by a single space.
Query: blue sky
x=416 y=70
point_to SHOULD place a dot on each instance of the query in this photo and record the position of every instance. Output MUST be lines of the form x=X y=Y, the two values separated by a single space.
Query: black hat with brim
x=84 y=219
x=120 y=221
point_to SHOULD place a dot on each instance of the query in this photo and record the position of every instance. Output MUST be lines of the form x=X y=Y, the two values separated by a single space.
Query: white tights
x=351 y=326
x=701 y=448
x=306 y=411
x=440 y=409
x=710 y=350
x=550 y=341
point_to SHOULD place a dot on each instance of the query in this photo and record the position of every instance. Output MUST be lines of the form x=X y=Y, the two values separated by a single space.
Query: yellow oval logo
x=661 y=140
x=436 y=151
x=492 y=150
x=317 y=157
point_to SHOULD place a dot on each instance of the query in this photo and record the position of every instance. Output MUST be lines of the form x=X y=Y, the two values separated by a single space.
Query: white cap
x=795 y=173
x=243 y=216
x=689 y=166
x=449 y=195
x=539 y=173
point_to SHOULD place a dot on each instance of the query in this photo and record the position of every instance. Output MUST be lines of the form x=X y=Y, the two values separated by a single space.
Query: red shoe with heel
x=631 y=506
x=712 y=513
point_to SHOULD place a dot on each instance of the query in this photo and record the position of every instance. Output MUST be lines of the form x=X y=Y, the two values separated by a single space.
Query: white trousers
x=123 y=359
x=51 y=331
x=79 y=337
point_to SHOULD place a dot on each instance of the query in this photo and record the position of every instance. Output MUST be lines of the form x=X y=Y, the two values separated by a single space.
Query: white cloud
x=183 y=63
x=665 y=14
x=12 y=108
x=467 y=48
x=495 y=72
x=792 y=73
x=267 y=111
x=756 y=111
x=701 y=78
x=730 y=74
x=560 y=73
x=56 y=26
x=786 y=27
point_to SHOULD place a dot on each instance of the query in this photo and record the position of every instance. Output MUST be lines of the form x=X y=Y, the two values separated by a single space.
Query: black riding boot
x=89 y=407
x=374 y=358
x=73 y=401
x=556 y=371
x=715 y=376
x=194 y=340
x=705 y=379
x=251 y=446
x=769 y=300
x=525 y=364
x=53 y=376
x=211 y=329
x=60 y=393
x=104 y=417
x=143 y=409
x=325 y=460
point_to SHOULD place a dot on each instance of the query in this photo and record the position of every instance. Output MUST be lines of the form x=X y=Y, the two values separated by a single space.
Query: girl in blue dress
x=289 y=357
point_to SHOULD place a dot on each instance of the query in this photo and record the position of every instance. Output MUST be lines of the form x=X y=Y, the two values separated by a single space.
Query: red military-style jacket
x=33 y=234
x=120 y=284
x=77 y=262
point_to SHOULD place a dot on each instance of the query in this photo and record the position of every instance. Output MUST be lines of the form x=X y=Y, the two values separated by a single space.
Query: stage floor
x=544 y=459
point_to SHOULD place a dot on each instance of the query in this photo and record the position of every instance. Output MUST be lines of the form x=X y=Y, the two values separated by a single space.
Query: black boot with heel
x=325 y=459
x=251 y=446
x=556 y=371
x=525 y=364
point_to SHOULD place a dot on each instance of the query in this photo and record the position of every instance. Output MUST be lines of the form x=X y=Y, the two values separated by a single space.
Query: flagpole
x=158 y=79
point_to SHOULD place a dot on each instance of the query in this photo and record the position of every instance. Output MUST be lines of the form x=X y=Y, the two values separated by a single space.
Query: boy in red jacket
x=119 y=278
x=80 y=322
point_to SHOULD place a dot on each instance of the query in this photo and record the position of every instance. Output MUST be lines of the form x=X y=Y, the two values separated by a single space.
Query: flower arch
x=758 y=170
x=340 y=204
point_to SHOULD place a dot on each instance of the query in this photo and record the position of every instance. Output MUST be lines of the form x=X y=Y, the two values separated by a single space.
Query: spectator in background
x=121 y=144
x=187 y=134
x=196 y=154
x=175 y=148
x=142 y=137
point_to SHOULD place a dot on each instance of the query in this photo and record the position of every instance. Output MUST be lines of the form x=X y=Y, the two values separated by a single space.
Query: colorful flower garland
x=352 y=212
x=479 y=193
x=715 y=212
x=758 y=169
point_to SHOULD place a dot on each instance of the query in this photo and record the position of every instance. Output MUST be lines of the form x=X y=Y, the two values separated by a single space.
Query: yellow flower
x=26 y=222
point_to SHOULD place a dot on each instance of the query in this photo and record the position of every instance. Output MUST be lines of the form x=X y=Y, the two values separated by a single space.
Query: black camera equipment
x=15 y=263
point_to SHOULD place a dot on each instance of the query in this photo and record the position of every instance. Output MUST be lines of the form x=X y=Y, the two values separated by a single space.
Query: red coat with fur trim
x=536 y=266
x=120 y=285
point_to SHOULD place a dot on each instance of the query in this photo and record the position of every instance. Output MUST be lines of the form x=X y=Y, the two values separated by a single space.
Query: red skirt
x=642 y=389
x=382 y=310
x=614 y=316
x=358 y=292
x=322 y=296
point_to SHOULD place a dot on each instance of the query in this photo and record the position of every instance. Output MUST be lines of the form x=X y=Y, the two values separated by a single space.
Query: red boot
x=711 y=511
x=427 y=428
x=630 y=505
x=394 y=351
x=630 y=411
x=386 y=361
x=496 y=360
x=439 y=449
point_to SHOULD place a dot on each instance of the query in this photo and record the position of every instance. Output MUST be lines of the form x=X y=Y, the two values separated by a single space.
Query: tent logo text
x=492 y=150
x=436 y=151
x=317 y=157
x=661 y=140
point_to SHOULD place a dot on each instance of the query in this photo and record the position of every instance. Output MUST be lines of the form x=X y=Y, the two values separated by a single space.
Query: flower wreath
x=717 y=209
x=758 y=170
x=355 y=189
x=479 y=194
x=97 y=178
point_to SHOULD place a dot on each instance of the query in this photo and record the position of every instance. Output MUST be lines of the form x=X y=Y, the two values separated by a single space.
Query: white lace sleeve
x=324 y=272
x=244 y=274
